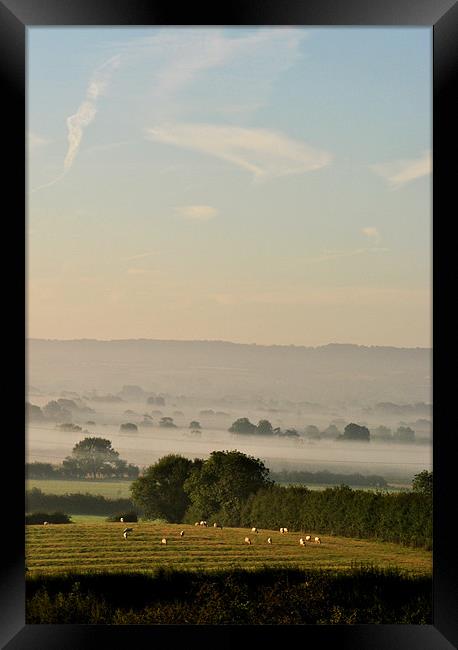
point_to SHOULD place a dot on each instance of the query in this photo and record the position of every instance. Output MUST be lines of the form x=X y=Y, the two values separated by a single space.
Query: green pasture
x=108 y=489
x=95 y=546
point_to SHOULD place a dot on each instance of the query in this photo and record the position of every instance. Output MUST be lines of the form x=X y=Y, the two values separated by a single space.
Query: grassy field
x=108 y=489
x=100 y=546
x=121 y=489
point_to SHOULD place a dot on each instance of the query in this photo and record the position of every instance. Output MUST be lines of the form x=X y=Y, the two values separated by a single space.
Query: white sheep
x=197 y=524
x=122 y=519
x=247 y=540
x=269 y=540
x=308 y=538
x=285 y=530
x=302 y=542
x=182 y=533
x=254 y=530
x=45 y=523
x=215 y=525
x=282 y=530
x=126 y=531
x=317 y=540
x=164 y=540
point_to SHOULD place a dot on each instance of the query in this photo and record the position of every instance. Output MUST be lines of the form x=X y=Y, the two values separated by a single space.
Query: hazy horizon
x=286 y=345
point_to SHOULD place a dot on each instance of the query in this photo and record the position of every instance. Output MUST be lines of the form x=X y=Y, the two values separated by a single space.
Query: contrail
x=85 y=114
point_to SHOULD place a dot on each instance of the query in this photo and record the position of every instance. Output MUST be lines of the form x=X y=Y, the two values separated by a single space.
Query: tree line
x=352 y=432
x=235 y=489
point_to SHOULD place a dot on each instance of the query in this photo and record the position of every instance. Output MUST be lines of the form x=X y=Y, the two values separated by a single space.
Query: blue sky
x=254 y=185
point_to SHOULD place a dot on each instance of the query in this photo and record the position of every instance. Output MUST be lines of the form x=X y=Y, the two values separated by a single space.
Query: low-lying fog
x=46 y=443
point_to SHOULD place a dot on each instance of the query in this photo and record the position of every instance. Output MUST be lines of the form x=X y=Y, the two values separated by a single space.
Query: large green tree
x=225 y=480
x=159 y=492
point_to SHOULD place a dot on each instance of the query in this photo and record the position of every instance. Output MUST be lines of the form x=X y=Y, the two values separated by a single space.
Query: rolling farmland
x=100 y=547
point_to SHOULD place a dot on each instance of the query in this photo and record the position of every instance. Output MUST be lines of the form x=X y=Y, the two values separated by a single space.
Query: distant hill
x=330 y=374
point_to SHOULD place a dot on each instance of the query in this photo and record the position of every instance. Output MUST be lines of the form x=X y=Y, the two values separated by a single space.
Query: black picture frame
x=442 y=17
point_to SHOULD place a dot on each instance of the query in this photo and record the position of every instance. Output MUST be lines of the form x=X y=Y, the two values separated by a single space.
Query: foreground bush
x=269 y=596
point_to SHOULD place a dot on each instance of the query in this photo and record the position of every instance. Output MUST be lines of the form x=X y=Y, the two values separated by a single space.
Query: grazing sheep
x=285 y=530
x=203 y=523
x=282 y=530
x=122 y=519
x=45 y=523
x=126 y=531
x=301 y=542
x=269 y=540
x=247 y=540
x=182 y=533
x=317 y=540
x=197 y=524
x=308 y=538
x=254 y=530
x=164 y=540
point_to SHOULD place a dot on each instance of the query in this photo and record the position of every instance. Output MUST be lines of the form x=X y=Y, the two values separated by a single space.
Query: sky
x=255 y=185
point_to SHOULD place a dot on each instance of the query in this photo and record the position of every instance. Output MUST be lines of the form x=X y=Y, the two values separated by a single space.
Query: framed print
x=234 y=242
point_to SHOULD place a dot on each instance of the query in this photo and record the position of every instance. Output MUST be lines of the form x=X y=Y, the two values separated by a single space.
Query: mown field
x=100 y=546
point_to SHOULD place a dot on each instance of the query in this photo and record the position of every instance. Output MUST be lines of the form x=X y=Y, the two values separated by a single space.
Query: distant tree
x=167 y=422
x=93 y=457
x=404 y=434
x=160 y=401
x=159 y=492
x=128 y=426
x=331 y=432
x=41 y=470
x=69 y=426
x=355 y=432
x=194 y=425
x=423 y=482
x=222 y=484
x=265 y=428
x=312 y=432
x=382 y=433
x=243 y=425
x=33 y=413
x=132 y=392
x=291 y=433
x=55 y=411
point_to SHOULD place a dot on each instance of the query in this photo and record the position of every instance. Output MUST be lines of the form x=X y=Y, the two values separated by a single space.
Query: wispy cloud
x=400 y=172
x=85 y=114
x=182 y=55
x=262 y=152
x=87 y=110
x=197 y=212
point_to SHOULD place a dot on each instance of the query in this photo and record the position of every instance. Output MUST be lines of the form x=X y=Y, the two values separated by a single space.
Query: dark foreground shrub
x=267 y=596
x=51 y=518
